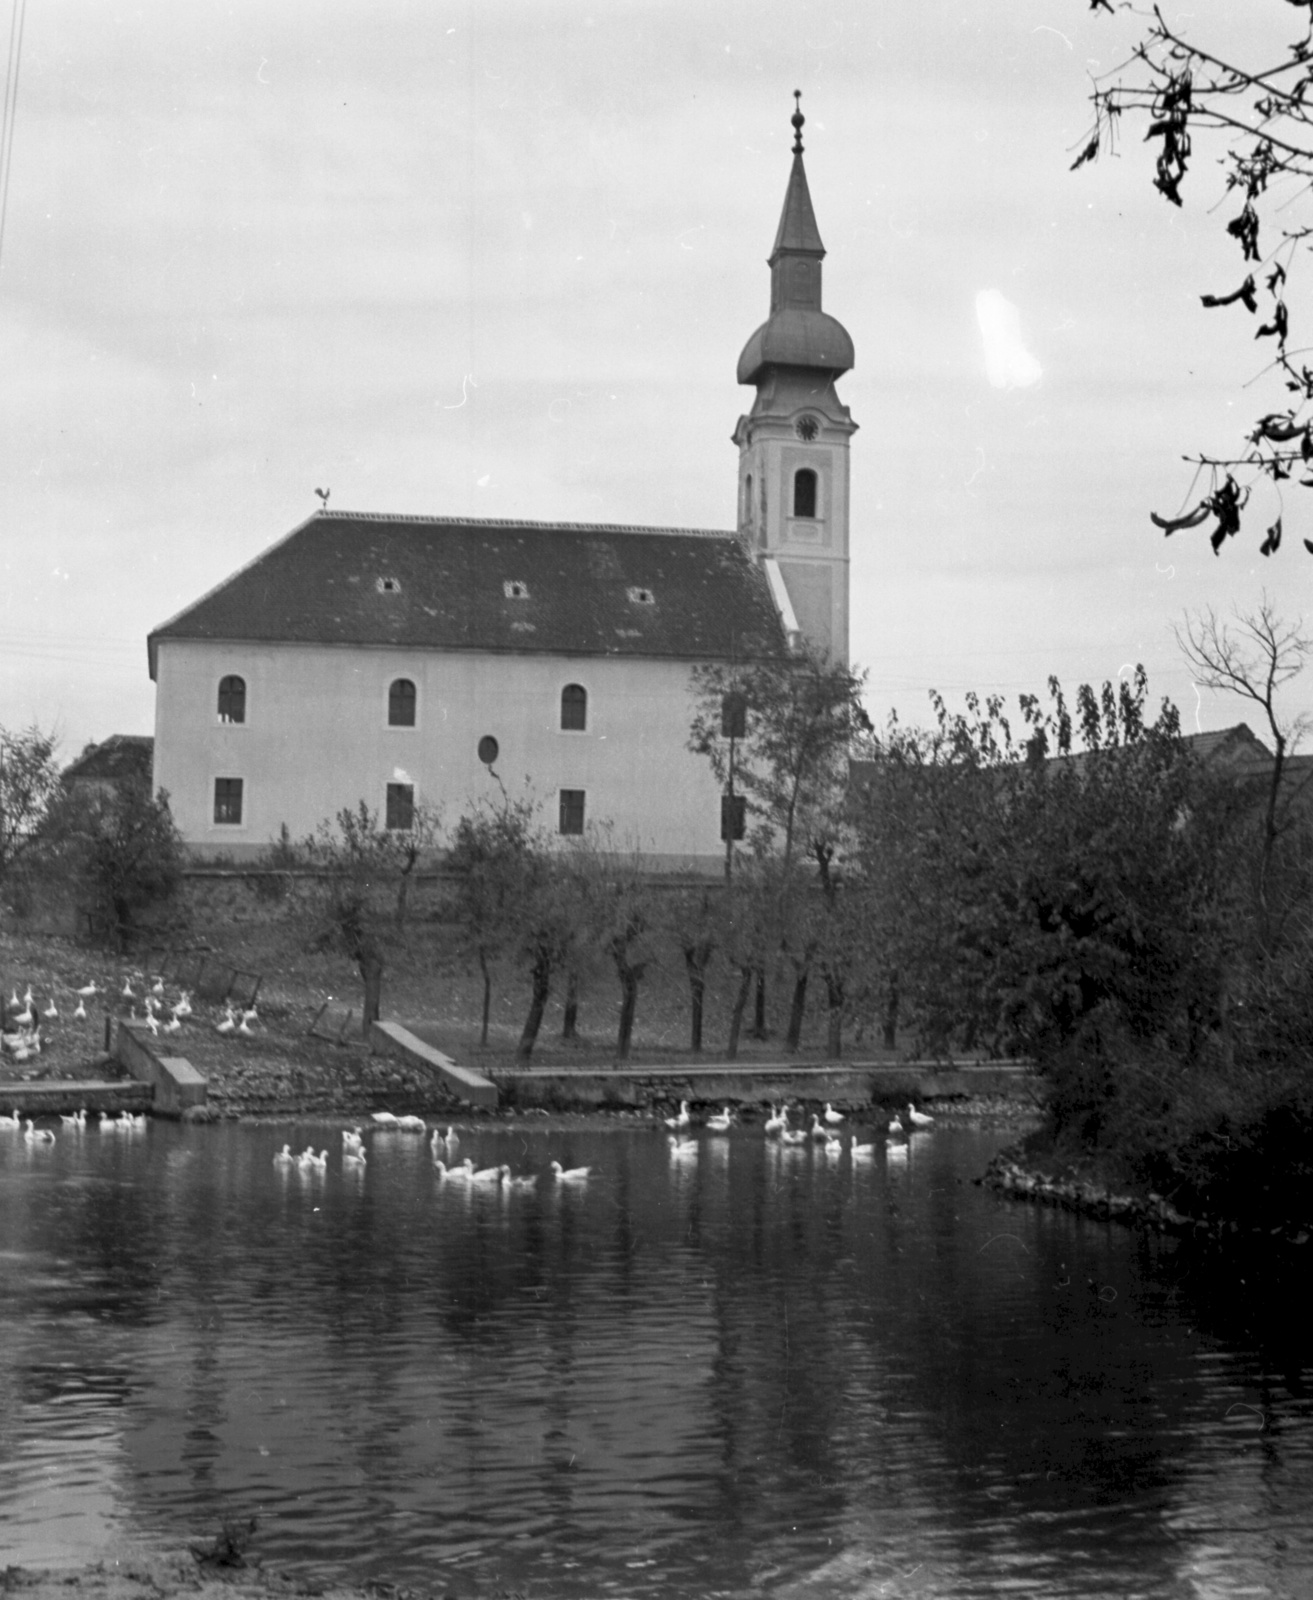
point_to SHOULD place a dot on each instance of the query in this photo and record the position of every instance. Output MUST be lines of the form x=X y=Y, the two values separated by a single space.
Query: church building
x=412 y=661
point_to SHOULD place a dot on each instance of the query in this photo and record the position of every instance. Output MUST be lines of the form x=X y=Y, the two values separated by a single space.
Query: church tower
x=793 y=444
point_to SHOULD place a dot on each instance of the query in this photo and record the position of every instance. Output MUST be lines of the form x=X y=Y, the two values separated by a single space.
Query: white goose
x=861 y=1151
x=570 y=1174
x=918 y=1119
x=817 y=1131
x=89 y=989
x=80 y=1014
x=793 y=1136
x=682 y=1149
x=353 y=1159
x=489 y=1175
x=284 y=1158
x=384 y=1119
x=35 y=1135
x=681 y=1119
x=833 y=1117
x=409 y=1124
x=461 y=1173
x=778 y=1120
x=720 y=1123
x=15 y=1122
x=833 y=1144
x=522 y=1181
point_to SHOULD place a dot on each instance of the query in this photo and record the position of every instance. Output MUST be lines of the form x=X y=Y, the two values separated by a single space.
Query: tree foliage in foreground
x=29 y=786
x=1248 y=113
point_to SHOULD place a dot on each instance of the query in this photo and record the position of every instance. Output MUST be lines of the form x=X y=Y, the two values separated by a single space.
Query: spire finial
x=797 y=119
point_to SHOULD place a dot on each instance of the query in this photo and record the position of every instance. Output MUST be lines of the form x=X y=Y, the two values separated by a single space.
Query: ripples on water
x=763 y=1372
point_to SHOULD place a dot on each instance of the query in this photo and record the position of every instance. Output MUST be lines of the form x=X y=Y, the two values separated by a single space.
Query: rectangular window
x=733 y=816
x=228 y=800
x=401 y=805
x=572 y=810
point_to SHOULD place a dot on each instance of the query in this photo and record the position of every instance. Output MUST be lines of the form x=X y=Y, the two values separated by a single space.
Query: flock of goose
x=442 y=1145
x=75 y=1122
x=824 y=1131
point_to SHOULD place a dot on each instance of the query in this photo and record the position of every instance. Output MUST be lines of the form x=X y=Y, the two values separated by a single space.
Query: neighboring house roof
x=451 y=583
x=121 y=756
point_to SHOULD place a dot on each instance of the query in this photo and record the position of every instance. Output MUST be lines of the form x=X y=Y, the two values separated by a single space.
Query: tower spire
x=793 y=444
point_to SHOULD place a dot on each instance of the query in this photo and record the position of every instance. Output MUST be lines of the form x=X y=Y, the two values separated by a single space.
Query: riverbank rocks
x=1090 y=1198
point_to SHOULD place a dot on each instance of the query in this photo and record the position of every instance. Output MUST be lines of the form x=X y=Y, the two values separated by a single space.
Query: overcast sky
x=499 y=257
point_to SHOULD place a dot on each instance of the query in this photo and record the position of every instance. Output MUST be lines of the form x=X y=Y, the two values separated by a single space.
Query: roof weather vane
x=797 y=119
x=323 y=495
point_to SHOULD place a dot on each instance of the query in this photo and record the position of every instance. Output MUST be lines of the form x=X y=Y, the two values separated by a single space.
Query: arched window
x=747 y=501
x=401 y=703
x=232 y=699
x=804 y=493
x=574 y=707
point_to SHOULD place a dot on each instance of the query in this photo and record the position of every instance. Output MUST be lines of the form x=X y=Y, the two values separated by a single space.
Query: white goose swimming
x=409 y=1124
x=681 y=1119
x=720 y=1123
x=284 y=1158
x=35 y=1135
x=861 y=1151
x=14 y=1122
x=793 y=1136
x=778 y=1120
x=682 y=1149
x=570 y=1174
x=817 y=1130
x=489 y=1175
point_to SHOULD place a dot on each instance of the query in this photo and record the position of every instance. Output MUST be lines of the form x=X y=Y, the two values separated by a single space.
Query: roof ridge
x=518 y=522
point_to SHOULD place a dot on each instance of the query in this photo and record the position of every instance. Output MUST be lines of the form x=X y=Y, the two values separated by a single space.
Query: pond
x=756 y=1371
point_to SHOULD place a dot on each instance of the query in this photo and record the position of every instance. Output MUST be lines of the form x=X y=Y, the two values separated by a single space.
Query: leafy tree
x=777 y=735
x=364 y=871
x=491 y=856
x=29 y=786
x=1249 y=113
x=548 y=933
x=618 y=918
x=118 y=849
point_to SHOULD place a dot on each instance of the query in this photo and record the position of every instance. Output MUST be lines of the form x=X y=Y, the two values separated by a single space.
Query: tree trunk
x=891 y=1014
x=371 y=972
x=759 y=1006
x=570 y=1021
x=736 y=1016
x=799 y=1005
x=487 y=995
x=834 y=1021
x=628 y=1004
x=696 y=957
x=542 y=985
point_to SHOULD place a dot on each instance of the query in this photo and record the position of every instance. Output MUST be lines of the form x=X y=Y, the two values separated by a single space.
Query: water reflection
x=757 y=1367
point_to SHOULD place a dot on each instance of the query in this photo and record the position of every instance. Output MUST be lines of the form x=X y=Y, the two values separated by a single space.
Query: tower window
x=804 y=493
x=400 y=809
x=228 y=801
x=747 y=501
x=232 y=699
x=401 y=703
x=572 y=811
x=574 y=707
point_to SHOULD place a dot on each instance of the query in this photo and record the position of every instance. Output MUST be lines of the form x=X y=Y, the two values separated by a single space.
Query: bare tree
x=1248 y=112
x=1253 y=657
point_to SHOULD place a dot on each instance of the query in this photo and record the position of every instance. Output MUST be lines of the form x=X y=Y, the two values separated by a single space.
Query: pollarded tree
x=491 y=857
x=1245 y=108
x=363 y=871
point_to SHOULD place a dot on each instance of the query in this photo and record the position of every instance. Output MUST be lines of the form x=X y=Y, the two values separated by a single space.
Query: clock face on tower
x=806 y=428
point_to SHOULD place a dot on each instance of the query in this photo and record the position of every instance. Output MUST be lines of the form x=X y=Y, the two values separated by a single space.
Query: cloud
x=1008 y=364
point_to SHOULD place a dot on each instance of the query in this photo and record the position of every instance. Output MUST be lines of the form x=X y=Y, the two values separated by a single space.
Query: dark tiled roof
x=443 y=583
x=122 y=755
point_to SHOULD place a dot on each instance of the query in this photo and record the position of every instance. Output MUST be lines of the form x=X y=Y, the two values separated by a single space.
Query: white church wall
x=315 y=737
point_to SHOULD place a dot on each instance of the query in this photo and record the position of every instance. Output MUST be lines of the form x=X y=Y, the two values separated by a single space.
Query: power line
x=17 y=19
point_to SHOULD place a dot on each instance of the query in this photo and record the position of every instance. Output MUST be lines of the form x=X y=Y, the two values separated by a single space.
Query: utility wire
x=17 y=18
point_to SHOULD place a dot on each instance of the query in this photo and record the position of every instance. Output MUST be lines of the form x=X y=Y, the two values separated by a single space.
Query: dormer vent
x=513 y=589
x=388 y=585
x=641 y=597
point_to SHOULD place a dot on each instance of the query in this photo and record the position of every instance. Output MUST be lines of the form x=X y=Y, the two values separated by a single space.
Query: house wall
x=316 y=738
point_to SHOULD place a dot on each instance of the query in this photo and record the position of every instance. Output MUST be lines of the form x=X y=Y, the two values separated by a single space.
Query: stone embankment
x=1093 y=1199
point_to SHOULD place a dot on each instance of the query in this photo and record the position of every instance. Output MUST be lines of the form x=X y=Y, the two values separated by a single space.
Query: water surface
x=759 y=1372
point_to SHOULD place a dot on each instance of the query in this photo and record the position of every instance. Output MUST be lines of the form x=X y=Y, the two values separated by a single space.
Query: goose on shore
x=409 y=1124
x=833 y=1117
x=918 y=1119
x=384 y=1119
